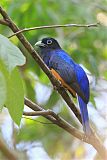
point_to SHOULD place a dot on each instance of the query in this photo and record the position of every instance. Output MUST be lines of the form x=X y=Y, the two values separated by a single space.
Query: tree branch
x=3 y=22
x=6 y=151
x=54 y=119
x=54 y=26
x=41 y=113
x=40 y=62
x=94 y=140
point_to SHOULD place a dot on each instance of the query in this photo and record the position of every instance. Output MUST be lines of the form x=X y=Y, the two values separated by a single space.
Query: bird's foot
x=55 y=87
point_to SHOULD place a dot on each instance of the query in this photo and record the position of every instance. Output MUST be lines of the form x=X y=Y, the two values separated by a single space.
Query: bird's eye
x=49 y=41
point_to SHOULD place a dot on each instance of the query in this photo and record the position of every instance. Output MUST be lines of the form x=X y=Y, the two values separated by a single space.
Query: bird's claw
x=55 y=87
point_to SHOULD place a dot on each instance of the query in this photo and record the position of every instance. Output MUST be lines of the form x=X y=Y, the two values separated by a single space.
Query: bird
x=71 y=75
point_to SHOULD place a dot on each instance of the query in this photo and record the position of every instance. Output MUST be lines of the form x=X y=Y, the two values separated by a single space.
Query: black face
x=49 y=43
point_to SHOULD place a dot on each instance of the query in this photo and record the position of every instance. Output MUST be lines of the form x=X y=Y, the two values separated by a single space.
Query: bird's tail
x=84 y=116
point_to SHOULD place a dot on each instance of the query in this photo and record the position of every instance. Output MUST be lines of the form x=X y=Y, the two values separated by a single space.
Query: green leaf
x=30 y=92
x=10 y=54
x=2 y=90
x=15 y=96
x=53 y=99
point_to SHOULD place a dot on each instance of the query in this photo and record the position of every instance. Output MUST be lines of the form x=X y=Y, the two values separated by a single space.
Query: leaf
x=10 y=54
x=3 y=83
x=15 y=96
x=52 y=100
x=30 y=92
x=2 y=90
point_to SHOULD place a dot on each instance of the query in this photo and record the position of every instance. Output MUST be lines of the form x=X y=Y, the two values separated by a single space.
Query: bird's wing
x=67 y=73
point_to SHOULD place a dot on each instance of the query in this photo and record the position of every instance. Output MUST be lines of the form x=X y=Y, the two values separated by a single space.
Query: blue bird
x=71 y=75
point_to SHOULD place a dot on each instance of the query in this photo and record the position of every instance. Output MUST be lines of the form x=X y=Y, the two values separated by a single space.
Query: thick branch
x=54 y=26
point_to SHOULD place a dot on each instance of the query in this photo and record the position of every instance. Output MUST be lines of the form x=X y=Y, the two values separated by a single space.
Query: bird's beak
x=40 y=44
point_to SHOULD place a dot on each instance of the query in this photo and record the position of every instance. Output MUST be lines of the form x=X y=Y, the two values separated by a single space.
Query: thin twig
x=37 y=113
x=41 y=113
x=54 y=26
x=35 y=119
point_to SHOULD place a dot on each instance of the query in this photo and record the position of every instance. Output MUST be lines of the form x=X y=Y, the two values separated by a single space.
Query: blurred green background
x=87 y=46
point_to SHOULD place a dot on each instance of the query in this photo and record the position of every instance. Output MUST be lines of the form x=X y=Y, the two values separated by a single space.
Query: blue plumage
x=70 y=72
x=84 y=116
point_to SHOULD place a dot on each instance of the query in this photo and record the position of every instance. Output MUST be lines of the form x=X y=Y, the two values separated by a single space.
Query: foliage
x=12 y=92
x=87 y=46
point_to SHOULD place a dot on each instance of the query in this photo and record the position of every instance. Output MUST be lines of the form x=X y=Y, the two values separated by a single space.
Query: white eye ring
x=49 y=41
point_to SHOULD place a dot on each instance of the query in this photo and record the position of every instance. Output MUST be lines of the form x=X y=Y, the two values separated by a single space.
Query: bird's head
x=48 y=43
